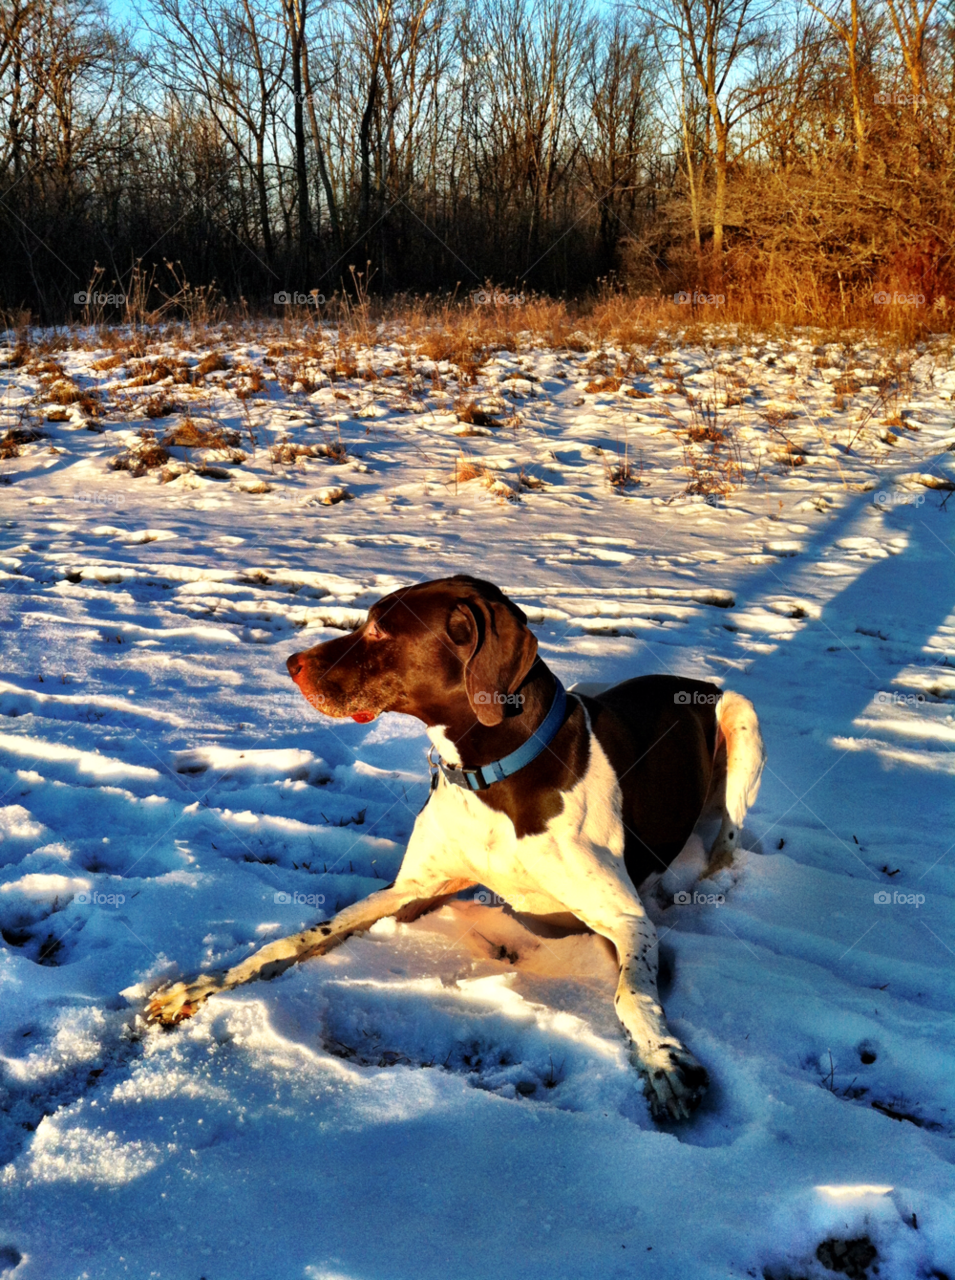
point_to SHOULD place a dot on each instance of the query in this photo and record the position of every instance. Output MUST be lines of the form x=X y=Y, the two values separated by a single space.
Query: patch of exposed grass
x=115 y=361
x=189 y=434
x=142 y=457
x=706 y=435
x=146 y=373
x=252 y=382
x=11 y=440
x=602 y=384
x=212 y=363
x=159 y=405
x=468 y=412
x=287 y=453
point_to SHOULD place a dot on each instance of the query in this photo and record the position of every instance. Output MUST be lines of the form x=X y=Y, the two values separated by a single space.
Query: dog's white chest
x=546 y=872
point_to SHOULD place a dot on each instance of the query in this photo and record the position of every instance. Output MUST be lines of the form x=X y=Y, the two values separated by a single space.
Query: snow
x=412 y=1104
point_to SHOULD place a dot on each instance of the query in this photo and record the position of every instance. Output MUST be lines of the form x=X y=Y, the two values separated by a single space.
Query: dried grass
x=146 y=373
x=160 y=406
x=790 y=455
x=18 y=356
x=142 y=457
x=466 y=468
x=193 y=435
x=468 y=412
x=706 y=435
x=64 y=391
x=11 y=440
x=212 y=363
x=252 y=382
x=287 y=454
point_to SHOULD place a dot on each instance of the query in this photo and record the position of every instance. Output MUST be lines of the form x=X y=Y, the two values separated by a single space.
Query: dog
x=565 y=802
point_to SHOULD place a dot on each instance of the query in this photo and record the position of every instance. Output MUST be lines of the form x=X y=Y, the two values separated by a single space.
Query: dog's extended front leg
x=172 y=1004
x=674 y=1082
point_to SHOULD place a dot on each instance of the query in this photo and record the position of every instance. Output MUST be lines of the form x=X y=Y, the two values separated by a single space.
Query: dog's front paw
x=174 y=1004
x=673 y=1081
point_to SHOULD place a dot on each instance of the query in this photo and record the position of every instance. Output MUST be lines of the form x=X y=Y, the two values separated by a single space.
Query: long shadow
x=856 y=782
x=834 y=666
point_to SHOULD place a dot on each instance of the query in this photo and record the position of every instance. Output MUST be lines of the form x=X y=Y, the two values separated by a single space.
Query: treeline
x=800 y=151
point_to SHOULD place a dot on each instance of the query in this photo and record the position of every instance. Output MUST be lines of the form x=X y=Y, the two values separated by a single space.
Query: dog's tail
x=738 y=727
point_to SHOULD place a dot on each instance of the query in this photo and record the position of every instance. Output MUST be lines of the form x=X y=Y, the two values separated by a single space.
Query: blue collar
x=483 y=777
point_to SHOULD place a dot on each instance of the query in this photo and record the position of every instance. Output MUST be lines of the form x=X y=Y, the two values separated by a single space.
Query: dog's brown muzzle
x=308 y=670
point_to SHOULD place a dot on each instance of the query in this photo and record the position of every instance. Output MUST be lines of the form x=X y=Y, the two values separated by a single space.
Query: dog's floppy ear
x=501 y=652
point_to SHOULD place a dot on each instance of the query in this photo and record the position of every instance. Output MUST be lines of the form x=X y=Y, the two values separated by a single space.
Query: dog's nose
x=294 y=665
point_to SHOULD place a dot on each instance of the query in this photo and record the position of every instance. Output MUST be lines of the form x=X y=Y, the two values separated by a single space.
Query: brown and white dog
x=610 y=797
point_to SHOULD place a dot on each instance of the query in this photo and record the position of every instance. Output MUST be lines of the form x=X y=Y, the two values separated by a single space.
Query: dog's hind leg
x=741 y=743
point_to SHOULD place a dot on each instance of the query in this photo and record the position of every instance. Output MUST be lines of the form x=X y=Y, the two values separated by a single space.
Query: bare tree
x=848 y=27
x=617 y=133
x=718 y=39
x=233 y=55
x=911 y=22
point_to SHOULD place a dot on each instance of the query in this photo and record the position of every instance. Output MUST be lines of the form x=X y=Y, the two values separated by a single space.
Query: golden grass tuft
x=706 y=435
x=468 y=412
x=146 y=373
x=212 y=363
x=287 y=453
x=466 y=468
x=193 y=435
x=252 y=382
x=11 y=440
x=159 y=405
x=18 y=356
x=142 y=457
x=64 y=391
x=115 y=361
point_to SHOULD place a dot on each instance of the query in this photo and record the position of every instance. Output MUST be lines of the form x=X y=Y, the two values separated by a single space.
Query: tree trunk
x=296 y=25
x=330 y=200
x=364 y=145
x=719 y=197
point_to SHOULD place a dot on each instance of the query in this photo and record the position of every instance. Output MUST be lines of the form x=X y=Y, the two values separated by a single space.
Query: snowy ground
x=410 y=1106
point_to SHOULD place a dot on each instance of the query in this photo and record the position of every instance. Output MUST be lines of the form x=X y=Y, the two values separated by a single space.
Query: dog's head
x=432 y=651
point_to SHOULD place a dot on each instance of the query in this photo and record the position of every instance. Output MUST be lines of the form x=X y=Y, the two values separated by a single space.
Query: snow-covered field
x=409 y=1106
